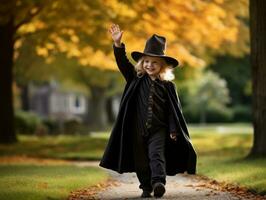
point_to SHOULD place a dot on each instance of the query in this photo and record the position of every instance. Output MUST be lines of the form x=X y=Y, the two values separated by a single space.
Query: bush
x=222 y=114
x=30 y=123
x=75 y=127
x=52 y=126
x=213 y=114
x=190 y=116
x=26 y=122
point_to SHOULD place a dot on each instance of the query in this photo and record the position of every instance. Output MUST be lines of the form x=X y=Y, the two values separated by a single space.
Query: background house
x=50 y=101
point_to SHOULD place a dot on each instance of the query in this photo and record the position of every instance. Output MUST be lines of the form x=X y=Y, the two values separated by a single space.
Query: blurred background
x=64 y=73
x=60 y=86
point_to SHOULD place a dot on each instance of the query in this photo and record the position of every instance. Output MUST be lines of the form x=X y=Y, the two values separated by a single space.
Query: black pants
x=149 y=158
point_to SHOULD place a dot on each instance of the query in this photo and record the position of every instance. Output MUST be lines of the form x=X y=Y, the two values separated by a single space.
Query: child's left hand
x=173 y=136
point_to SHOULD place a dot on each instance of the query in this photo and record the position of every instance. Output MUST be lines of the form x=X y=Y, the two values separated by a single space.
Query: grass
x=221 y=150
x=34 y=182
x=59 y=147
x=28 y=181
x=223 y=157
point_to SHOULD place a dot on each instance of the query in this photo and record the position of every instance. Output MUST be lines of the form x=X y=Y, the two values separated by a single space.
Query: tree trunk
x=7 y=131
x=97 y=109
x=203 y=116
x=110 y=111
x=258 y=64
x=25 y=97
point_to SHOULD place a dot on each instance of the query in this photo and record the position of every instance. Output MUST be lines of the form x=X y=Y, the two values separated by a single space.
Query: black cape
x=180 y=155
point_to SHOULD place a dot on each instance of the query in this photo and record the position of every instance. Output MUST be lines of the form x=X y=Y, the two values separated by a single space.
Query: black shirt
x=152 y=108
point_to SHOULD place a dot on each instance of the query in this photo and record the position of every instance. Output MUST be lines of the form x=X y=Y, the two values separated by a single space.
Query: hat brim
x=136 y=55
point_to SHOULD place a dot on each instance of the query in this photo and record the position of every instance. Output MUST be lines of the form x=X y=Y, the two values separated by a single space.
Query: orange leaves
x=219 y=1
x=32 y=27
x=31 y=160
x=119 y=8
x=96 y=58
x=238 y=191
x=41 y=51
x=185 y=56
x=72 y=35
x=67 y=41
x=194 y=28
x=90 y=192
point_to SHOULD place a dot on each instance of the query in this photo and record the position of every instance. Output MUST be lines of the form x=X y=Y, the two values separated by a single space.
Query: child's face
x=152 y=65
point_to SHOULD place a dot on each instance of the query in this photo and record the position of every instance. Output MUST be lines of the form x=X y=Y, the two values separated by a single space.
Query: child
x=150 y=135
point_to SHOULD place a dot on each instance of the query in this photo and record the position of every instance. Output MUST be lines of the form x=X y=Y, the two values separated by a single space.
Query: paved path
x=179 y=187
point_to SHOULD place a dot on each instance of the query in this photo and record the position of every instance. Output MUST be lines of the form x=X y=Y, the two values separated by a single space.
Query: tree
x=7 y=133
x=207 y=92
x=258 y=64
x=20 y=19
x=229 y=68
x=99 y=90
x=196 y=30
x=28 y=67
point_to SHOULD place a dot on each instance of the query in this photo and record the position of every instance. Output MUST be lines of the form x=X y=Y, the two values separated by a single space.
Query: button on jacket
x=152 y=107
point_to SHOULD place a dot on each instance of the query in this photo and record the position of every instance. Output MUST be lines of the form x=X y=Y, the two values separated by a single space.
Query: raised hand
x=116 y=34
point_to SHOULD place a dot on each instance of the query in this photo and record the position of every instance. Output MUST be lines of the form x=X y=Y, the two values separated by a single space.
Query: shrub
x=217 y=114
x=52 y=126
x=26 y=122
x=213 y=114
x=75 y=127
x=190 y=116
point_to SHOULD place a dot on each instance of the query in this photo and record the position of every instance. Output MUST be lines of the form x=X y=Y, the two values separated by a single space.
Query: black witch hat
x=155 y=46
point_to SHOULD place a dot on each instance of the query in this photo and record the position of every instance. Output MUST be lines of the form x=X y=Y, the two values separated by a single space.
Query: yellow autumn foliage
x=194 y=29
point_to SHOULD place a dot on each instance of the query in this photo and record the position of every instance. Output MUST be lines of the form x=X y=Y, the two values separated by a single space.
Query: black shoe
x=146 y=194
x=158 y=189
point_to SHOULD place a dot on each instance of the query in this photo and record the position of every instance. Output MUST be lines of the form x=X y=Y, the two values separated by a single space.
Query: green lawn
x=222 y=156
x=30 y=181
x=221 y=150
x=38 y=182
x=60 y=147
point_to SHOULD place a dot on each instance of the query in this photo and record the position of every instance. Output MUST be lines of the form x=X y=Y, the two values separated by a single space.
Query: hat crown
x=155 y=45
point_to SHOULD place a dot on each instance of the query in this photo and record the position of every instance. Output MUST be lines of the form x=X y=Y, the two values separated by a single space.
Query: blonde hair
x=165 y=74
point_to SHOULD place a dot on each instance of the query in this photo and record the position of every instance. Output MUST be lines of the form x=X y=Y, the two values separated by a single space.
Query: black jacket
x=180 y=155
